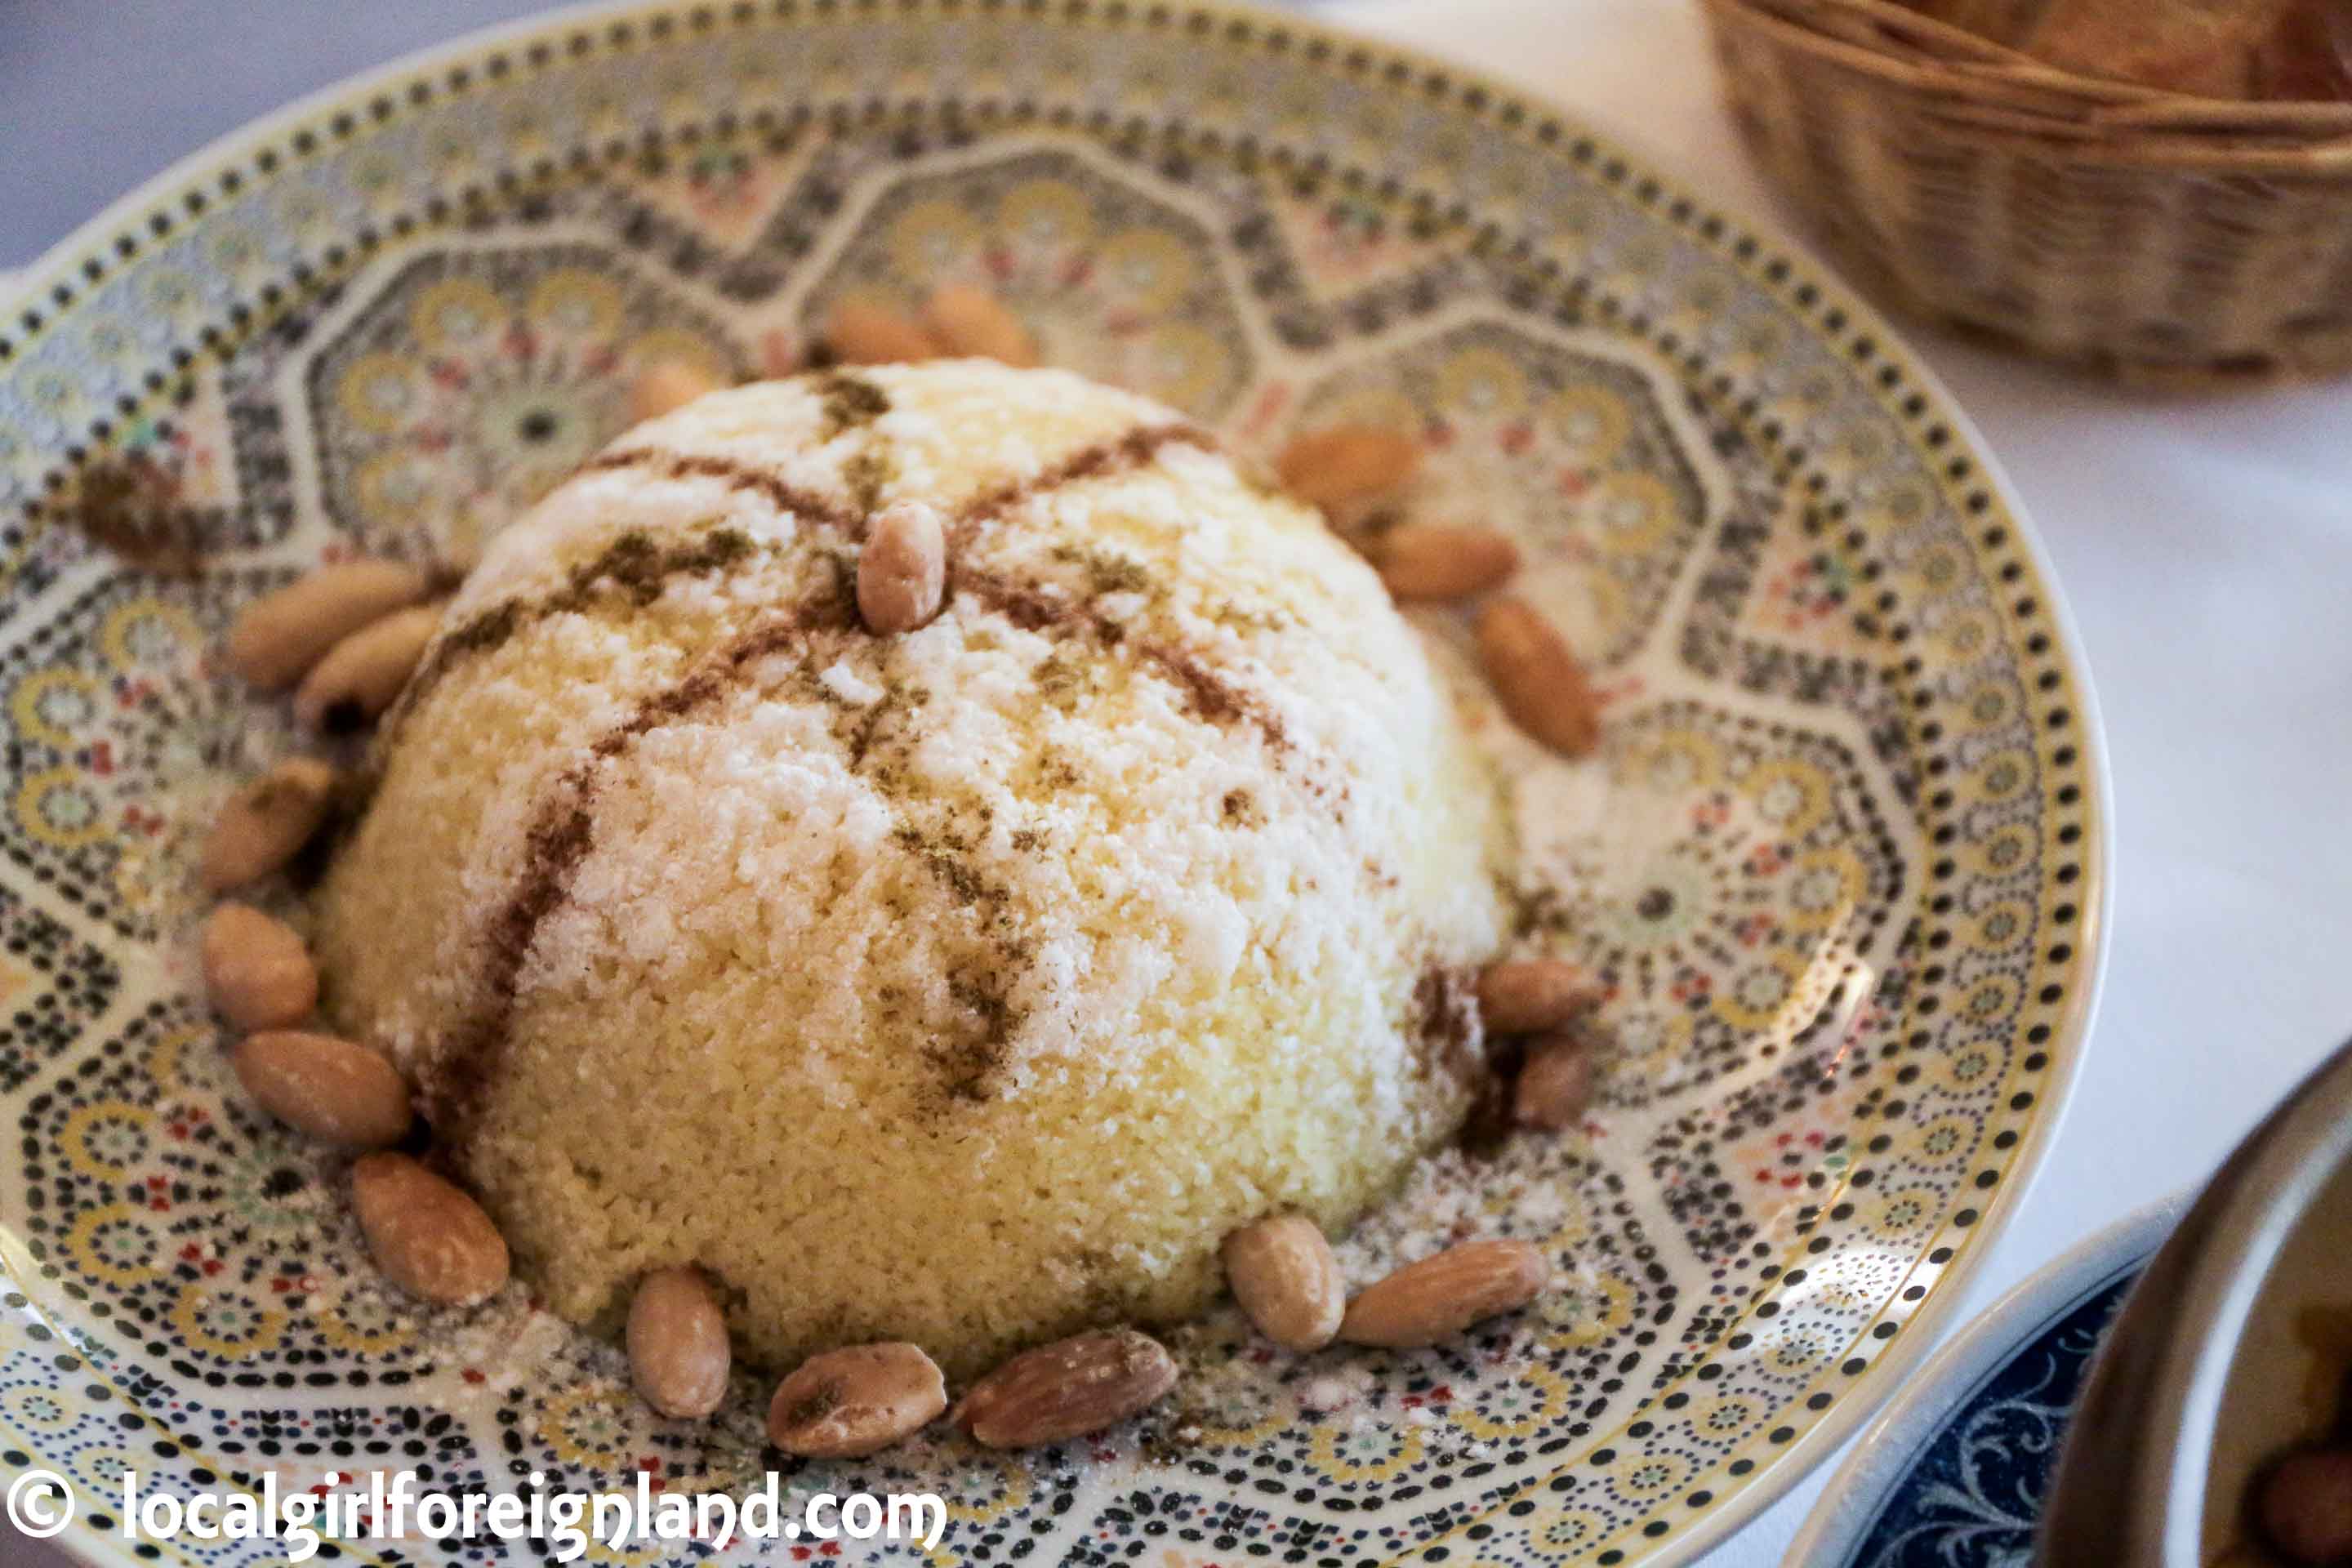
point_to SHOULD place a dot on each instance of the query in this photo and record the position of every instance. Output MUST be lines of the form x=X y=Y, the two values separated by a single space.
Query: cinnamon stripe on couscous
x=965 y=986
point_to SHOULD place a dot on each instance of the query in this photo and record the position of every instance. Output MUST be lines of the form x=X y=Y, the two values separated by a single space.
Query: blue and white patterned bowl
x=1953 y=1474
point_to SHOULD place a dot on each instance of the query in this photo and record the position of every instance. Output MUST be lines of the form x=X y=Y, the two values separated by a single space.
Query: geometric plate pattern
x=1836 y=870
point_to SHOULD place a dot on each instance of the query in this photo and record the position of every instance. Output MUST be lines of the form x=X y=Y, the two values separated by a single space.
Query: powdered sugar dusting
x=1107 y=899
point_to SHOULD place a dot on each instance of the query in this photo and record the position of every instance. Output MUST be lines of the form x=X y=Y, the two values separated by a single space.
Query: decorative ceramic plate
x=1954 y=1473
x=1839 y=864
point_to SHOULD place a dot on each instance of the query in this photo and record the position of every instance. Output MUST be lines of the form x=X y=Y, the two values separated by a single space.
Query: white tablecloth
x=2207 y=551
x=2205 y=548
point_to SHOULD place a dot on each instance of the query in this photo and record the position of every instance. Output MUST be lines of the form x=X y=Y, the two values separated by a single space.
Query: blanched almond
x=902 y=572
x=969 y=320
x=327 y=1087
x=281 y=634
x=256 y=971
x=1341 y=464
x=363 y=674
x=851 y=1402
x=1431 y=562
x=1067 y=1389
x=425 y=1234
x=1555 y=1084
x=1536 y=677
x=1522 y=995
x=1439 y=1296
x=1286 y=1280
x=265 y=823
x=678 y=1353
x=666 y=386
x=859 y=331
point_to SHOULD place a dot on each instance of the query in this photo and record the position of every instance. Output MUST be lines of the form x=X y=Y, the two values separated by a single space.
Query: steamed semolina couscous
x=964 y=986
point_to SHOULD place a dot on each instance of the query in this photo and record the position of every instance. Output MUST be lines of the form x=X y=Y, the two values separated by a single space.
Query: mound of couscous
x=966 y=985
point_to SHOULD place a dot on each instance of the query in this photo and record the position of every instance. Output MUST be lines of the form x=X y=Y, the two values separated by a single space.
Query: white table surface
x=2205 y=547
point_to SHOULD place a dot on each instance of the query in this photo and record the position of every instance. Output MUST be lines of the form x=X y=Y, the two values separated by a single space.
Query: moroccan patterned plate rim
x=49 y=297
x=1884 y=1456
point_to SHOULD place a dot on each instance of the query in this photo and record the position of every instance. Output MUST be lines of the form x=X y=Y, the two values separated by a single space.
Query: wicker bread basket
x=2153 y=235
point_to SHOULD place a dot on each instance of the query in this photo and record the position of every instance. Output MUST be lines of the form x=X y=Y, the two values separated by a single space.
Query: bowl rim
x=2297 y=1153
x=1886 y=1453
x=2160 y=1384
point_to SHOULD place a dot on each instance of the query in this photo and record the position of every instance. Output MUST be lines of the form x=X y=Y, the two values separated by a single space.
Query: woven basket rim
x=1983 y=88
